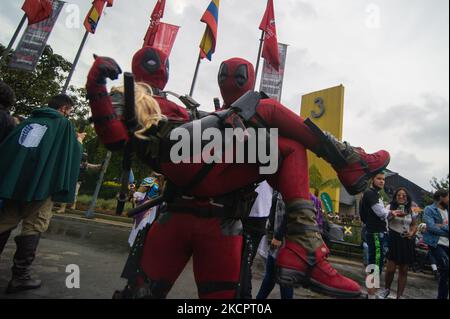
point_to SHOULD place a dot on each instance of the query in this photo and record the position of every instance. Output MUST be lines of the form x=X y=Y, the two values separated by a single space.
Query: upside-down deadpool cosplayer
x=193 y=223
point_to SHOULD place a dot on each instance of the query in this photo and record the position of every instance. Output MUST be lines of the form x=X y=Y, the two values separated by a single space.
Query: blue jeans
x=365 y=254
x=269 y=282
x=441 y=255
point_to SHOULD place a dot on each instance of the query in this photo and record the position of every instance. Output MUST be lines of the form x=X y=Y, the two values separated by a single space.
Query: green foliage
x=439 y=184
x=109 y=191
x=318 y=183
x=102 y=204
x=34 y=89
x=96 y=155
x=436 y=185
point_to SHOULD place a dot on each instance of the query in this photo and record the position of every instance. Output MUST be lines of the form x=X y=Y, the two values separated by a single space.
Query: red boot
x=353 y=165
x=360 y=168
x=295 y=267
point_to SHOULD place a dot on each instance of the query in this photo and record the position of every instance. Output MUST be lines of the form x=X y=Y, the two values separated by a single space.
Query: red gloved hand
x=102 y=69
x=110 y=129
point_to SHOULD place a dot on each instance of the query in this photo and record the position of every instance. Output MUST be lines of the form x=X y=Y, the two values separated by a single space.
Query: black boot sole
x=14 y=290
x=296 y=279
x=361 y=185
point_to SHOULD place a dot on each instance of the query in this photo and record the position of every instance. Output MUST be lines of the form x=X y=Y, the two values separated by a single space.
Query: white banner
x=34 y=40
x=272 y=80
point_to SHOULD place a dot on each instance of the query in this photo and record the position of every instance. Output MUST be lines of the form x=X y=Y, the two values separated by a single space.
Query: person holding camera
x=402 y=229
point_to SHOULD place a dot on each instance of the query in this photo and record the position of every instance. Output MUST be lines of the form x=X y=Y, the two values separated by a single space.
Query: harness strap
x=103 y=119
x=97 y=96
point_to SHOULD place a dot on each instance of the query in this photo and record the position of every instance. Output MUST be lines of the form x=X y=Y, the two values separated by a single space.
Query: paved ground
x=100 y=251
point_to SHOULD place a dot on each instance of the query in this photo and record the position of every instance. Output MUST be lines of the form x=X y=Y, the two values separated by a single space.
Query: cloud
x=417 y=168
x=424 y=123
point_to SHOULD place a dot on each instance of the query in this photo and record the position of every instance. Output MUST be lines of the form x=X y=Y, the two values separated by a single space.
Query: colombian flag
x=211 y=18
x=93 y=17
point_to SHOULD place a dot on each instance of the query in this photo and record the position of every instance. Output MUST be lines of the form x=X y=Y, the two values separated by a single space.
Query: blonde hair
x=148 y=112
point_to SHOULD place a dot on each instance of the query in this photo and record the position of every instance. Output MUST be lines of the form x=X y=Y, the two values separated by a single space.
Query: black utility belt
x=202 y=212
x=233 y=206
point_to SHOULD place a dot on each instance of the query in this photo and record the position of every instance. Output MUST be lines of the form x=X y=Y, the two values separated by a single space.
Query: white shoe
x=383 y=294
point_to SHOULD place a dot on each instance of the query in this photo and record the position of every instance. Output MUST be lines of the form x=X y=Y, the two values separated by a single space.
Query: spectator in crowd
x=44 y=169
x=254 y=229
x=276 y=232
x=7 y=100
x=374 y=215
x=148 y=190
x=436 y=237
x=402 y=231
x=131 y=191
x=85 y=166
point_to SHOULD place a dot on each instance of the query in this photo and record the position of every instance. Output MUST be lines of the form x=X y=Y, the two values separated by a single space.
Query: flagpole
x=14 y=38
x=195 y=75
x=75 y=62
x=259 y=57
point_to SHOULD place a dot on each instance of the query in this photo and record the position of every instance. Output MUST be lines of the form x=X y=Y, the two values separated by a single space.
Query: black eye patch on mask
x=223 y=73
x=241 y=75
x=151 y=61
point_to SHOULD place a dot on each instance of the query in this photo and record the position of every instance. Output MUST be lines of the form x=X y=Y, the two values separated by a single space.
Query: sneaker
x=383 y=294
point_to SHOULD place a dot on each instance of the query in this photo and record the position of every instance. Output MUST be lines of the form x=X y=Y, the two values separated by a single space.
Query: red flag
x=94 y=15
x=37 y=10
x=157 y=15
x=270 y=50
x=165 y=37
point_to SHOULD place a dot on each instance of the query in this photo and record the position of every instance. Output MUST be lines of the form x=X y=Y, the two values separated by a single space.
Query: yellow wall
x=331 y=121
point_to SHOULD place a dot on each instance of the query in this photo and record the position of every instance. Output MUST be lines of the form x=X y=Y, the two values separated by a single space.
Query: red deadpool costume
x=194 y=227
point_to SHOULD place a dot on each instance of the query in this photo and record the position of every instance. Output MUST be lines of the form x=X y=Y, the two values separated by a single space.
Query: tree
x=33 y=89
x=436 y=185
x=441 y=184
x=318 y=183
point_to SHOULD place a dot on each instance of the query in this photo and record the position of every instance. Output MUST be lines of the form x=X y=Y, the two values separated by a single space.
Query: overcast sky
x=392 y=56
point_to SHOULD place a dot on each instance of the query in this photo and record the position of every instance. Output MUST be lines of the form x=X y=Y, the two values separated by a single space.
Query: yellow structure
x=326 y=109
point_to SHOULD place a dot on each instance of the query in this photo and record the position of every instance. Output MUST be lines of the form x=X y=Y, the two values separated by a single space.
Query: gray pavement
x=100 y=248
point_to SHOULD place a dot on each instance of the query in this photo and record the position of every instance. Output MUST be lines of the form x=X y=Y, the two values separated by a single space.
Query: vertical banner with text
x=272 y=80
x=34 y=40
x=165 y=37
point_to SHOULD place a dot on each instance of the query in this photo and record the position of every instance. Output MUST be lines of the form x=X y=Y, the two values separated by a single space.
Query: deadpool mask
x=151 y=66
x=236 y=77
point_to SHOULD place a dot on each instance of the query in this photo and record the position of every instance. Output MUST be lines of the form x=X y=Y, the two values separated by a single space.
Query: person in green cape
x=39 y=165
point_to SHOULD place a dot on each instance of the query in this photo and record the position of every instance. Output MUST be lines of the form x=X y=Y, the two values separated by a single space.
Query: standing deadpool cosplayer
x=207 y=201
